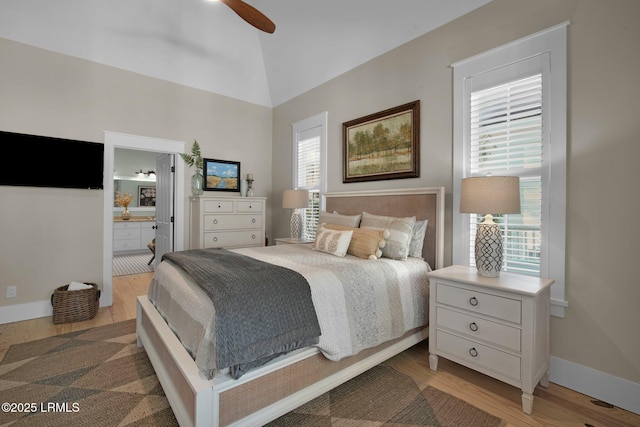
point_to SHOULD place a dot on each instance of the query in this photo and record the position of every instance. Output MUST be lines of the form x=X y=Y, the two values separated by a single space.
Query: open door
x=165 y=183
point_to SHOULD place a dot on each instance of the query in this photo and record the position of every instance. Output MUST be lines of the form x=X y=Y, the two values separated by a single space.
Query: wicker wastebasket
x=75 y=306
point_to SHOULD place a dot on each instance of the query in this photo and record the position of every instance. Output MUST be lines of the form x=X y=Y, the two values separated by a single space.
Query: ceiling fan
x=252 y=15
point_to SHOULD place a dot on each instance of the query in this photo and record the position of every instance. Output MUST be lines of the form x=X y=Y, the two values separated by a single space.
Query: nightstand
x=498 y=326
x=290 y=241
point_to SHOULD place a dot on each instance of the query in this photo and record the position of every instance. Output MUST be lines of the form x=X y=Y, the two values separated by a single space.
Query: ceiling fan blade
x=252 y=15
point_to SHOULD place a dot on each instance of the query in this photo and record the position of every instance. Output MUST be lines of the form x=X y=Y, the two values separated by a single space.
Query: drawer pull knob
x=253 y=220
x=473 y=326
x=253 y=236
x=215 y=239
x=473 y=352
x=215 y=221
x=473 y=301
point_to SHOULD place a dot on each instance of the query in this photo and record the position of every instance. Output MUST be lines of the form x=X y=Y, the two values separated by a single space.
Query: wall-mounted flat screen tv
x=41 y=161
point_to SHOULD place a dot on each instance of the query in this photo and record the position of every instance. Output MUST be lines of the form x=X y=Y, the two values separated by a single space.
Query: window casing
x=309 y=166
x=509 y=121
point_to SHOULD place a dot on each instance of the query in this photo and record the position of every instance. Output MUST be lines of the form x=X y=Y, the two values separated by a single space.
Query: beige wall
x=50 y=236
x=600 y=327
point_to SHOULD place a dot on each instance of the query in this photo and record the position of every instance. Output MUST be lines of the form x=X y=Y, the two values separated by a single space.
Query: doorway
x=119 y=140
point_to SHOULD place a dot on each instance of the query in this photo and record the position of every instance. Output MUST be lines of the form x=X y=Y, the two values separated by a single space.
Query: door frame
x=142 y=143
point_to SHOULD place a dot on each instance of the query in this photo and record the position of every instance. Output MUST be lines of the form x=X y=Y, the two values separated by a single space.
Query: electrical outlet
x=11 y=291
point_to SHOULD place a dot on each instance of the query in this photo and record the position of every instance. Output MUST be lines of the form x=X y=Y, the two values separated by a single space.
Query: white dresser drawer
x=127 y=233
x=249 y=206
x=126 y=244
x=480 y=355
x=232 y=222
x=230 y=239
x=218 y=206
x=491 y=305
x=479 y=328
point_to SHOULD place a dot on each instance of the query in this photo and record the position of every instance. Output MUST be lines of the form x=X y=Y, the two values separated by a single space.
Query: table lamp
x=498 y=195
x=296 y=199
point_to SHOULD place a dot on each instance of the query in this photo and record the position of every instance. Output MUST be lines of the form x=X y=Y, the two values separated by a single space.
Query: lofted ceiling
x=205 y=45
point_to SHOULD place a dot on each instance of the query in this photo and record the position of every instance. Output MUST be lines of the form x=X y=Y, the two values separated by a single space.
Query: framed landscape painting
x=384 y=145
x=221 y=175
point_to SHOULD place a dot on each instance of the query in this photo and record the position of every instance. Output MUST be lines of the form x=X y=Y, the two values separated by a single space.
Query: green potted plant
x=195 y=159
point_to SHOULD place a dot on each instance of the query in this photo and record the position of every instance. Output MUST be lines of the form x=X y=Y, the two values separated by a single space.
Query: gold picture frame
x=384 y=145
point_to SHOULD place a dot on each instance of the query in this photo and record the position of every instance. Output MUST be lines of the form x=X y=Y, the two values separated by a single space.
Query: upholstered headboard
x=423 y=203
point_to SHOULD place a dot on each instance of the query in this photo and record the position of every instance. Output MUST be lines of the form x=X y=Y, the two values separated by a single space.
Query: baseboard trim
x=605 y=387
x=26 y=311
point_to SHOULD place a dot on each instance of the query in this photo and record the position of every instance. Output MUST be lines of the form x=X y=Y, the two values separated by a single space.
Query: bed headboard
x=423 y=203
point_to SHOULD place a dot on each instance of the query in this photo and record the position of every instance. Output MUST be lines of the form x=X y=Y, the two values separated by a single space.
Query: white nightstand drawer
x=249 y=206
x=230 y=239
x=218 y=206
x=232 y=222
x=480 y=355
x=479 y=302
x=478 y=328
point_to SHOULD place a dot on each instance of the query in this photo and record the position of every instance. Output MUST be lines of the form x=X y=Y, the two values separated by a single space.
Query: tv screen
x=41 y=161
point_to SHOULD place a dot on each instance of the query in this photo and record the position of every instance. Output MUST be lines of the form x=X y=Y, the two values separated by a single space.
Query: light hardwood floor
x=553 y=406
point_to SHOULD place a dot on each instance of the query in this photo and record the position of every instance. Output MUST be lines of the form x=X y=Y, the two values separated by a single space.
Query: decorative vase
x=126 y=214
x=197 y=183
x=243 y=187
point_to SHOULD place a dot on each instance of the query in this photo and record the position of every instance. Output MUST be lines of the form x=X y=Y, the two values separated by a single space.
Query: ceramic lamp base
x=296 y=225
x=489 y=249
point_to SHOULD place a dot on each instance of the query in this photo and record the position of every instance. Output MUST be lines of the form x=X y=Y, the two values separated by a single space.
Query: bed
x=200 y=398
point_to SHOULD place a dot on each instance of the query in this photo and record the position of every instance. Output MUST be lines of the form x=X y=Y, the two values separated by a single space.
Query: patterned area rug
x=134 y=263
x=99 y=377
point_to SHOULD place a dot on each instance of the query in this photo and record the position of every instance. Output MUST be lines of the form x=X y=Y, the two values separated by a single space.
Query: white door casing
x=143 y=143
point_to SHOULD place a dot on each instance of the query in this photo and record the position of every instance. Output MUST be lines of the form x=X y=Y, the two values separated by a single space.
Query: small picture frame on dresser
x=221 y=175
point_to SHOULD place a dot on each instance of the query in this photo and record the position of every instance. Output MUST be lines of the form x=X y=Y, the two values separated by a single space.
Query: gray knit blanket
x=261 y=310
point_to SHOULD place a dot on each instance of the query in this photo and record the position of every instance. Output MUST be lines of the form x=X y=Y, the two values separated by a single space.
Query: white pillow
x=400 y=232
x=417 y=238
x=334 y=242
x=338 y=219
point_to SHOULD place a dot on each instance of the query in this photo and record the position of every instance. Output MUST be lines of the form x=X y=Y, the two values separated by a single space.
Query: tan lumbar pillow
x=365 y=243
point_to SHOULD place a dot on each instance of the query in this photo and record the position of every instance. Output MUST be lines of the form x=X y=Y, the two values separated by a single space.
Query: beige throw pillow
x=334 y=242
x=336 y=218
x=365 y=243
x=400 y=232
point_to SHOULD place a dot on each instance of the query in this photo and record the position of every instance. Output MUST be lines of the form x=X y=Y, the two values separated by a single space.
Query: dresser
x=132 y=235
x=227 y=222
x=498 y=326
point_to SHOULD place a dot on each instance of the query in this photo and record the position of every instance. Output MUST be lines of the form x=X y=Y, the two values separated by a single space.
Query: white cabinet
x=498 y=326
x=227 y=222
x=132 y=235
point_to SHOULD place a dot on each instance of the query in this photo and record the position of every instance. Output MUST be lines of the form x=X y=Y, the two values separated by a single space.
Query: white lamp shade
x=490 y=195
x=295 y=199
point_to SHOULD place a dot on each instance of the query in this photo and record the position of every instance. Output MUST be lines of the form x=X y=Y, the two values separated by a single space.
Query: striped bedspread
x=359 y=303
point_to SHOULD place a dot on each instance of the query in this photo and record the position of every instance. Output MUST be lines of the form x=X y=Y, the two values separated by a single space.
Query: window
x=505 y=138
x=508 y=121
x=309 y=166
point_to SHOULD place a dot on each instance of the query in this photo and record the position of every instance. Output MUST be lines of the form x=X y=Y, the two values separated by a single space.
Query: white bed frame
x=282 y=385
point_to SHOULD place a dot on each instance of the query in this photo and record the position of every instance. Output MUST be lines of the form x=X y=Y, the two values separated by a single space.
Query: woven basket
x=74 y=306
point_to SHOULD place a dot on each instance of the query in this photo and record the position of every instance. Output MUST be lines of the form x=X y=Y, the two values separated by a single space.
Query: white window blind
x=506 y=139
x=309 y=154
x=308 y=177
